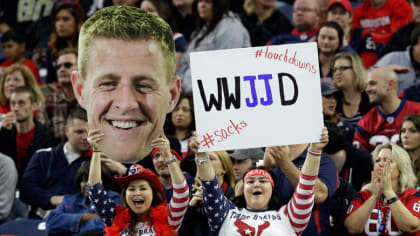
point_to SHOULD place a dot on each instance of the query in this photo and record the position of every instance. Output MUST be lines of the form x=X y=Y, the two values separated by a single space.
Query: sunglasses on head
x=67 y=65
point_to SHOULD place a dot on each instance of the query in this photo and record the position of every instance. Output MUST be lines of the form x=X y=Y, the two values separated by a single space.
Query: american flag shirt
x=291 y=219
x=105 y=207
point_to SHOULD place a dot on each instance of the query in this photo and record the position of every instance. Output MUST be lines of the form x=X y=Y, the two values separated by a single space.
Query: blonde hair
x=227 y=167
x=130 y=24
x=29 y=81
x=359 y=69
x=407 y=179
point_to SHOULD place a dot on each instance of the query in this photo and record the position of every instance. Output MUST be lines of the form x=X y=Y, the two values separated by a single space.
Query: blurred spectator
x=286 y=179
x=329 y=40
x=305 y=19
x=400 y=39
x=195 y=220
x=382 y=17
x=382 y=123
x=12 y=77
x=389 y=204
x=349 y=76
x=340 y=11
x=161 y=8
x=59 y=99
x=68 y=18
x=354 y=165
x=329 y=105
x=76 y=213
x=130 y=3
x=263 y=20
x=50 y=173
x=21 y=135
x=182 y=18
x=162 y=169
x=410 y=58
x=9 y=177
x=180 y=123
x=217 y=29
x=29 y=17
x=13 y=45
x=410 y=141
x=244 y=159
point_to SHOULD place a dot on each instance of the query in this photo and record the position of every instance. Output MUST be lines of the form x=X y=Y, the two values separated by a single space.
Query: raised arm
x=94 y=137
x=403 y=218
x=300 y=205
x=359 y=210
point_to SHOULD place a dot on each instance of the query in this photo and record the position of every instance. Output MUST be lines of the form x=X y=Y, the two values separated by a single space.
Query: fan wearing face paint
x=144 y=211
x=259 y=213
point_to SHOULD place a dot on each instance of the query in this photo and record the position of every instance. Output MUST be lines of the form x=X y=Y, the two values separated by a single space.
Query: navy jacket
x=65 y=219
x=49 y=173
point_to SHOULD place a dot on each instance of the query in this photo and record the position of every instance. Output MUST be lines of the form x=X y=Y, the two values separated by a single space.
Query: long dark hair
x=273 y=204
x=337 y=27
x=220 y=8
x=169 y=127
x=156 y=201
x=76 y=11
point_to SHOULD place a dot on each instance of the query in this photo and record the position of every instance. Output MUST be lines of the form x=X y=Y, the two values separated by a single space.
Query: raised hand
x=8 y=120
x=194 y=144
x=197 y=195
x=277 y=154
x=376 y=181
x=163 y=144
x=94 y=137
x=323 y=141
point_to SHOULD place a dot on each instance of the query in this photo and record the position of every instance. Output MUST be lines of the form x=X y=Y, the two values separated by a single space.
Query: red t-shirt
x=28 y=63
x=410 y=199
x=23 y=140
x=382 y=22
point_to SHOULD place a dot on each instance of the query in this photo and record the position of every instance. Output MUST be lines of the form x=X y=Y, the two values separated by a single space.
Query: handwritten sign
x=257 y=97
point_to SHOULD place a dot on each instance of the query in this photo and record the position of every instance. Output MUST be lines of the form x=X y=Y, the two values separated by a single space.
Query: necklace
x=382 y=223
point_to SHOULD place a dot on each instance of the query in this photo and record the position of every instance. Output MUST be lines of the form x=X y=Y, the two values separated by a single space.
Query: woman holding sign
x=259 y=213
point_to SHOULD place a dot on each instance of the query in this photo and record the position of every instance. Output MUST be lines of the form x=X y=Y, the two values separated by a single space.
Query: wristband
x=314 y=153
x=392 y=200
x=201 y=160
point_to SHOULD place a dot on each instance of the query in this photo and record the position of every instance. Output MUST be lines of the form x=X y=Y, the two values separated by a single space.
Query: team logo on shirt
x=246 y=230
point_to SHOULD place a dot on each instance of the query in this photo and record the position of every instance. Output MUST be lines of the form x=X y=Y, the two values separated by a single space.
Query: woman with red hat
x=259 y=211
x=144 y=210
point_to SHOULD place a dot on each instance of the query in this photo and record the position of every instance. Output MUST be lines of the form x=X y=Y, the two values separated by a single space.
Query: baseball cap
x=344 y=3
x=253 y=153
x=137 y=171
x=327 y=89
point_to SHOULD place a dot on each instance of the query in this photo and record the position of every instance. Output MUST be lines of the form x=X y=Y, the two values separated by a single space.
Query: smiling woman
x=259 y=213
x=144 y=210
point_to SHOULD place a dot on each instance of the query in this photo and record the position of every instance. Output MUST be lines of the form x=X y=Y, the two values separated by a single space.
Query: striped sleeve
x=300 y=206
x=178 y=205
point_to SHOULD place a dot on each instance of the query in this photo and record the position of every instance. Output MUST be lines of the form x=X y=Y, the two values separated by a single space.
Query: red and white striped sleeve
x=178 y=205
x=300 y=206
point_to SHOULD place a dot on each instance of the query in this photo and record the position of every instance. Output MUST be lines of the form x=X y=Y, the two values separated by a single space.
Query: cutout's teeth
x=124 y=124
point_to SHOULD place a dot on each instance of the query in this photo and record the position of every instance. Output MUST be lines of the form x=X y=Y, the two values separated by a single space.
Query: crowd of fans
x=366 y=181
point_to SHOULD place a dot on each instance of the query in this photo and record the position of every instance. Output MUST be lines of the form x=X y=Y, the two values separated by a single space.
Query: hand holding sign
x=267 y=91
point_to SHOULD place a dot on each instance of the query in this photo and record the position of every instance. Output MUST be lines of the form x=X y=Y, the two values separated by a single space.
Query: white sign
x=257 y=97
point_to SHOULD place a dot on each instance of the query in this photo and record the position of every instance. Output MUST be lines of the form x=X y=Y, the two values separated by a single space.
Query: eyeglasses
x=302 y=9
x=67 y=65
x=341 y=69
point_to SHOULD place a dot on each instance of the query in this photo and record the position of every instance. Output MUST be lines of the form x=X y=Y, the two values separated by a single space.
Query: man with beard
x=59 y=100
x=50 y=173
x=20 y=138
x=382 y=123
